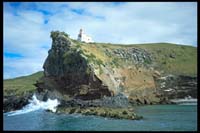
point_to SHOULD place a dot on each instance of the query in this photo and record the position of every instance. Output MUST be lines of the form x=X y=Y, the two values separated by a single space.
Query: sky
x=27 y=27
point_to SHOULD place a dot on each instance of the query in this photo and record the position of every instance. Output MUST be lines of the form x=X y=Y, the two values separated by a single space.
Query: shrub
x=54 y=34
x=65 y=34
x=115 y=62
x=99 y=62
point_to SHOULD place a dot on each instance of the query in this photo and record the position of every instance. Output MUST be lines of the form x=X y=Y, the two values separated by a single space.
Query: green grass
x=184 y=61
x=21 y=85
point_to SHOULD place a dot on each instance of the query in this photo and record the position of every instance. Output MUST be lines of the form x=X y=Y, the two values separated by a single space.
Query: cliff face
x=177 y=86
x=68 y=74
x=75 y=70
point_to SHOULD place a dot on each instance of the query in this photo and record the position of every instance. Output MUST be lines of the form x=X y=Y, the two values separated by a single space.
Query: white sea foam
x=35 y=104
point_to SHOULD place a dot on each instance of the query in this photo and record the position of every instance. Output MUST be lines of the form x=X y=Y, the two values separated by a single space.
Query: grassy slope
x=185 y=61
x=21 y=85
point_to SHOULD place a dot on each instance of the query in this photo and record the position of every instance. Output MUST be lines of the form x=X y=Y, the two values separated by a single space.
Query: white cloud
x=26 y=33
x=21 y=67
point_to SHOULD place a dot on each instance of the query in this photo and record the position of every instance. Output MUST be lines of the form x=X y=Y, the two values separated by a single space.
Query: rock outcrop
x=118 y=101
x=175 y=87
x=115 y=113
x=13 y=102
x=66 y=72
x=136 y=55
x=94 y=75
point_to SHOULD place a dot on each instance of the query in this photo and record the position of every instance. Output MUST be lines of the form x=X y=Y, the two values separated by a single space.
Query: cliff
x=75 y=70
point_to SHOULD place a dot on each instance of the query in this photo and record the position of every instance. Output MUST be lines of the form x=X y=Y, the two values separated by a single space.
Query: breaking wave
x=35 y=104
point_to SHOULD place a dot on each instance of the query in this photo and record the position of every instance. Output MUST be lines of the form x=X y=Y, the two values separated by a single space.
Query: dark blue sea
x=156 y=118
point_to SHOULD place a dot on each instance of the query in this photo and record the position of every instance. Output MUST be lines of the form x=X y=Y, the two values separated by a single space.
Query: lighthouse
x=82 y=37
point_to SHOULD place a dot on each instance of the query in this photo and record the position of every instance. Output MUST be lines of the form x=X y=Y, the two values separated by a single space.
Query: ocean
x=156 y=118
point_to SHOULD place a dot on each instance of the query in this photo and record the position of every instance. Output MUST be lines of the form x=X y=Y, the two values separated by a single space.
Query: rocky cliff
x=140 y=73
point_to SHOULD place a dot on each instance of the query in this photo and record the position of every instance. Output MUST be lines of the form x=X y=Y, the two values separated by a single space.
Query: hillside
x=169 y=58
x=21 y=85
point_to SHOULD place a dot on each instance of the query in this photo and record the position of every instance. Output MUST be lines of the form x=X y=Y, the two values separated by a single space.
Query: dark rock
x=124 y=112
x=118 y=101
x=146 y=101
x=11 y=103
x=172 y=87
x=72 y=110
x=172 y=56
x=116 y=113
x=67 y=72
x=136 y=55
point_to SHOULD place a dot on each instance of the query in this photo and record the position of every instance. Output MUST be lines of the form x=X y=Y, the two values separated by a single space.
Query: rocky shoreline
x=116 y=113
x=117 y=107
x=14 y=102
x=112 y=106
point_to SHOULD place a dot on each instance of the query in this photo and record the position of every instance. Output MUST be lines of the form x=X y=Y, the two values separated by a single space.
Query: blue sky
x=27 y=27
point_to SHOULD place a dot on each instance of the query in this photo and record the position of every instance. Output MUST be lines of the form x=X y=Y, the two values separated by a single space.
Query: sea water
x=156 y=118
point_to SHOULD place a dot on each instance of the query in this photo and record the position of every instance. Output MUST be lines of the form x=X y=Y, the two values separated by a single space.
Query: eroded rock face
x=68 y=73
x=118 y=101
x=173 y=87
x=136 y=55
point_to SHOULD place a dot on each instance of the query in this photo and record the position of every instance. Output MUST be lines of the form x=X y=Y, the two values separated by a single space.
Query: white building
x=83 y=37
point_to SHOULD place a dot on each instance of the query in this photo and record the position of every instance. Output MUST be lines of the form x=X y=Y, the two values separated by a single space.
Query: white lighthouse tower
x=83 y=37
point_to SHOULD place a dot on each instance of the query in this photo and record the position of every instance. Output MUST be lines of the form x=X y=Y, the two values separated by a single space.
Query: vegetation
x=116 y=62
x=54 y=34
x=172 y=58
x=92 y=59
x=115 y=113
x=166 y=57
x=21 y=85
x=72 y=57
